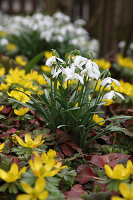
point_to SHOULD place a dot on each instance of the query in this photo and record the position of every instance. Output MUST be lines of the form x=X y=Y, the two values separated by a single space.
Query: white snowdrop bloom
x=4 y=42
x=74 y=41
x=50 y=61
x=109 y=80
x=55 y=73
x=46 y=35
x=93 y=45
x=70 y=74
x=79 y=61
x=61 y=17
x=112 y=93
x=121 y=44
x=35 y=27
x=80 y=22
x=92 y=70
x=131 y=46
x=59 y=38
x=53 y=60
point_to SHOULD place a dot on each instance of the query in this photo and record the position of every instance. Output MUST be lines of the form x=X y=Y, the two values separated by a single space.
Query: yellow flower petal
x=28 y=138
x=117 y=198
x=1 y=108
x=51 y=153
x=108 y=171
x=3 y=175
x=24 y=197
x=37 y=163
x=23 y=170
x=43 y=195
x=2 y=146
x=124 y=190
x=14 y=169
x=37 y=140
x=27 y=188
x=20 y=141
x=40 y=185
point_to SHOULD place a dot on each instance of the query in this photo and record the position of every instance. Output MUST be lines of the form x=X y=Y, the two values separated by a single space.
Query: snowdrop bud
x=112 y=88
x=90 y=55
x=109 y=74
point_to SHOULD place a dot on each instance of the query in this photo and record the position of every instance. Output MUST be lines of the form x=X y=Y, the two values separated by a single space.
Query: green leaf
x=4 y=187
x=33 y=62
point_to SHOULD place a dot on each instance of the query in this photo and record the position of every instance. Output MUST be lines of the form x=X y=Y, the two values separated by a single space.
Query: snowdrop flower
x=79 y=61
x=131 y=46
x=112 y=93
x=121 y=44
x=80 y=22
x=92 y=70
x=70 y=74
x=109 y=81
x=55 y=73
x=4 y=42
x=52 y=60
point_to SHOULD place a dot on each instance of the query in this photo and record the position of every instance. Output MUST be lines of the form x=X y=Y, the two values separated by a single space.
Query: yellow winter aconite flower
x=17 y=72
x=13 y=174
x=11 y=47
x=4 y=86
x=20 y=96
x=33 y=75
x=48 y=54
x=45 y=165
x=119 y=171
x=125 y=62
x=125 y=191
x=2 y=71
x=46 y=68
x=20 y=60
x=29 y=142
x=34 y=193
x=2 y=33
x=21 y=111
x=125 y=88
x=98 y=120
x=1 y=108
x=103 y=63
x=1 y=147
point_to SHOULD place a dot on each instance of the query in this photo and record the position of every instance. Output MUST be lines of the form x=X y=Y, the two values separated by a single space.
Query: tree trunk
x=107 y=34
x=51 y=6
x=129 y=32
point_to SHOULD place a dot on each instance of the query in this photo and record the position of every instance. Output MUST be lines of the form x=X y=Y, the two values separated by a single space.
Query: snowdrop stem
x=100 y=93
x=55 y=91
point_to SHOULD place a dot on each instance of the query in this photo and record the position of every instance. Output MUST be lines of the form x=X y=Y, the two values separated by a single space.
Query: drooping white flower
x=50 y=61
x=91 y=70
x=109 y=80
x=53 y=60
x=55 y=72
x=70 y=74
x=112 y=93
x=79 y=61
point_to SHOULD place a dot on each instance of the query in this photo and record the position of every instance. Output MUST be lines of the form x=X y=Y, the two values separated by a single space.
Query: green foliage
x=28 y=42
x=34 y=61
x=68 y=177
x=58 y=107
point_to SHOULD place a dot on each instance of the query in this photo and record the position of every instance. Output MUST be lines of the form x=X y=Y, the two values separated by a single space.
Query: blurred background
x=108 y=21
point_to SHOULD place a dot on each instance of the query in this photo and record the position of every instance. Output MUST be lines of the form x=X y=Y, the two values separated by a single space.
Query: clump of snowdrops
x=72 y=101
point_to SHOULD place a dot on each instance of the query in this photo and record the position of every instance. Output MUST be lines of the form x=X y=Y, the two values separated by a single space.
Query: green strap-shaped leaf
x=33 y=62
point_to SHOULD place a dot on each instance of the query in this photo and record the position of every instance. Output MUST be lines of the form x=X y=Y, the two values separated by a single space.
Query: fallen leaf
x=85 y=173
x=75 y=193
